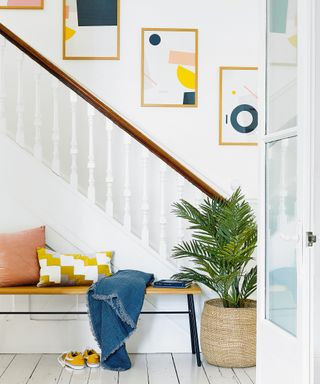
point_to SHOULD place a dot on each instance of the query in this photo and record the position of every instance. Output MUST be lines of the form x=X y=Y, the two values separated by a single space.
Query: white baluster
x=3 y=120
x=127 y=190
x=37 y=148
x=74 y=142
x=163 y=248
x=20 y=105
x=55 y=165
x=91 y=163
x=145 y=200
x=180 y=185
x=109 y=175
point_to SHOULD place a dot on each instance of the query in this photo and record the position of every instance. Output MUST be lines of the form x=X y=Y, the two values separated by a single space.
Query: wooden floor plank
x=138 y=374
x=20 y=370
x=187 y=369
x=228 y=373
x=80 y=376
x=214 y=374
x=161 y=369
x=5 y=361
x=102 y=376
x=251 y=372
x=47 y=371
x=65 y=376
x=242 y=376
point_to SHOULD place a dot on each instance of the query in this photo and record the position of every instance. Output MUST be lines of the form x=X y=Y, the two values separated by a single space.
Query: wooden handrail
x=107 y=111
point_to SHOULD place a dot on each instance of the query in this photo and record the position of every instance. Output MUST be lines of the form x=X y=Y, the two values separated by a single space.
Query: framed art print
x=21 y=4
x=238 y=120
x=169 y=67
x=91 y=29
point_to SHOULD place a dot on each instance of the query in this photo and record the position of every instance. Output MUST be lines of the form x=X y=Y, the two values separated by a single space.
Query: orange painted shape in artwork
x=182 y=58
x=66 y=11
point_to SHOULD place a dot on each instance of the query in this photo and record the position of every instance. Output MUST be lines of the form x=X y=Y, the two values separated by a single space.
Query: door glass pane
x=281 y=233
x=282 y=65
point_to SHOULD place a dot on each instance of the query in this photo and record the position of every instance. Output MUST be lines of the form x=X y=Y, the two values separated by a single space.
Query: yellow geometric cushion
x=72 y=269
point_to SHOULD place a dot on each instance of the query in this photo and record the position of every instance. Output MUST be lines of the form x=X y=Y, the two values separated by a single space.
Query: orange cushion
x=18 y=257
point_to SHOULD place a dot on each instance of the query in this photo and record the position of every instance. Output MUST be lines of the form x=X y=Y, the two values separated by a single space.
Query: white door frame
x=306 y=122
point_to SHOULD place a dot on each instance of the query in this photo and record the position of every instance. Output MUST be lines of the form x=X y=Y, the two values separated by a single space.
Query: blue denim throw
x=114 y=305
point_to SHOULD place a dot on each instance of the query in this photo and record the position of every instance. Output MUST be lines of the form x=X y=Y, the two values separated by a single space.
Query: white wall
x=228 y=35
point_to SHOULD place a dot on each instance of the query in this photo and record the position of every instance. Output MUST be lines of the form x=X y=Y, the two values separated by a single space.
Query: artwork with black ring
x=238 y=114
x=234 y=118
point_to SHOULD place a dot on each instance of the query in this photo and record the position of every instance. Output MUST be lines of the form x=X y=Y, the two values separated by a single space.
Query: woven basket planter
x=228 y=335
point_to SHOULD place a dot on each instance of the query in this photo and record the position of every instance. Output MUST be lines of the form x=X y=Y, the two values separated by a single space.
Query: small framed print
x=91 y=29
x=21 y=4
x=169 y=67
x=238 y=115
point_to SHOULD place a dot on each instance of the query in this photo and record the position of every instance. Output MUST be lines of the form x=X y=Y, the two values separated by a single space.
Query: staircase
x=70 y=162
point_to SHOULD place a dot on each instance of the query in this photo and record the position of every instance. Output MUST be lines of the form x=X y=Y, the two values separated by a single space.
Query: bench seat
x=82 y=290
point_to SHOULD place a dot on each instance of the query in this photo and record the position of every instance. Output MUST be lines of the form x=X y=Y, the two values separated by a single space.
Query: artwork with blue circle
x=169 y=67
x=238 y=106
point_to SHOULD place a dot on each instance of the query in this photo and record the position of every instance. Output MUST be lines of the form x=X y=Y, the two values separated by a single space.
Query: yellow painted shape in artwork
x=186 y=77
x=69 y=33
x=293 y=40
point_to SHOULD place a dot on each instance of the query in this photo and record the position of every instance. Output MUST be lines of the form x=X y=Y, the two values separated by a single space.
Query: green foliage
x=223 y=240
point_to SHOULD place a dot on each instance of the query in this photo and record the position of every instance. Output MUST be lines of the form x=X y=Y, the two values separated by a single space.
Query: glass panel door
x=281 y=166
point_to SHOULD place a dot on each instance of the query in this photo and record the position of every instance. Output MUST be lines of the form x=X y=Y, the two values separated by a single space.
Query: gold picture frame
x=66 y=57
x=221 y=117
x=142 y=82
x=31 y=7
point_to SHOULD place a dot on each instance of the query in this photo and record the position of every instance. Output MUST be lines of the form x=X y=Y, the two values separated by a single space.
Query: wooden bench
x=75 y=290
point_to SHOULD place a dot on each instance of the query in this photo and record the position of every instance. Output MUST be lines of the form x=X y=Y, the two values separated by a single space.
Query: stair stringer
x=72 y=220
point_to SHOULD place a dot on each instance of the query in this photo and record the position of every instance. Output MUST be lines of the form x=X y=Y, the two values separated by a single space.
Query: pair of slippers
x=77 y=360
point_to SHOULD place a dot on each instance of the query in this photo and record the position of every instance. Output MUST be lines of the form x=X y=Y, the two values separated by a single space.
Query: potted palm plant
x=224 y=237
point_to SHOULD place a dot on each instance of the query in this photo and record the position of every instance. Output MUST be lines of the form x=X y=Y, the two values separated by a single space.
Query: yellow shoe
x=91 y=358
x=74 y=360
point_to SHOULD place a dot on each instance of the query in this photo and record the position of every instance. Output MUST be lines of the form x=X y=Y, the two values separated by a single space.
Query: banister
x=107 y=111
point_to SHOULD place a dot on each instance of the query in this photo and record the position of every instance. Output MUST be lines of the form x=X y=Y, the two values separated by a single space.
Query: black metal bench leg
x=191 y=326
x=194 y=332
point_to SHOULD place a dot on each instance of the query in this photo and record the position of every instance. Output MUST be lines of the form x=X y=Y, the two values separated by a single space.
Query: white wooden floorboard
x=161 y=369
x=215 y=376
x=65 y=376
x=138 y=374
x=20 y=369
x=228 y=373
x=102 y=376
x=5 y=361
x=251 y=372
x=47 y=371
x=242 y=376
x=80 y=376
x=187 y=369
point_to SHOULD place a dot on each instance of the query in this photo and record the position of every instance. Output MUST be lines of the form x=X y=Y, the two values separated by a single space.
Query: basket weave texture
x=228 y=335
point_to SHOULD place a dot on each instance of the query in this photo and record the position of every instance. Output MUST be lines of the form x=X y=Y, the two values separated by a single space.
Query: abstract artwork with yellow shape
x=169 y=67
x=91 y=30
